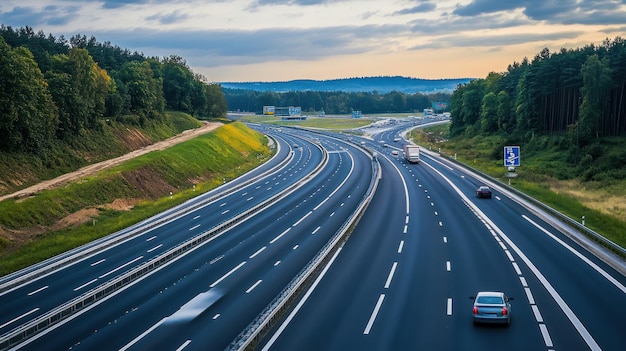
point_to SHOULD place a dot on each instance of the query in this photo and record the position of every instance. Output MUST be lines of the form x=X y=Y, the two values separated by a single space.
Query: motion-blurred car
x=395 y=153
x=483 y=191
x=491 y=307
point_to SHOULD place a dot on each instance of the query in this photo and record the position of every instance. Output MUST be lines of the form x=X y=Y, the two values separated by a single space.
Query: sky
x=280 y=40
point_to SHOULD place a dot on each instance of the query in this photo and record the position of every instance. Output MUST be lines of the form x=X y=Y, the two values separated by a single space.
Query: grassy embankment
x=20 y=170
x=546 y=175
x=143 y=183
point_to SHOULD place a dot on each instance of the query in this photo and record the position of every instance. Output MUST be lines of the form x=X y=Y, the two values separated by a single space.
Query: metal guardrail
x=65 y=259
x=62 y=312
x=256 y=330
x=614 y=247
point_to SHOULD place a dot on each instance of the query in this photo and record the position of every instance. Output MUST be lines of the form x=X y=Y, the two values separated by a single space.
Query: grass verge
x=186 y=170
x=572 y=197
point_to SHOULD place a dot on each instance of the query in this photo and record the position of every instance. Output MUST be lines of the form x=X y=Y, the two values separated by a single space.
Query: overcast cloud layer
x=275 y=40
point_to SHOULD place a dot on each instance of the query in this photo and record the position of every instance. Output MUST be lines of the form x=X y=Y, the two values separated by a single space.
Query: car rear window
x=490 y=300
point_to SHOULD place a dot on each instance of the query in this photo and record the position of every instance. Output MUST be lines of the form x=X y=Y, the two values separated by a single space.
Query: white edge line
x=300 y=304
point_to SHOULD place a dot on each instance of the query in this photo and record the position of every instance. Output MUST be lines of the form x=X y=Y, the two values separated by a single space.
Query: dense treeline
x=53 y=88
x=332 y=102
x=579 y=93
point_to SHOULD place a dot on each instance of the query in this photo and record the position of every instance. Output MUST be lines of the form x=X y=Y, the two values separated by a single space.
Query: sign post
x=511 y=160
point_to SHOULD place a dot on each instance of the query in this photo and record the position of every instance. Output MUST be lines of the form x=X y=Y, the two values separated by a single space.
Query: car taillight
x=504 y=311
x=475 y=310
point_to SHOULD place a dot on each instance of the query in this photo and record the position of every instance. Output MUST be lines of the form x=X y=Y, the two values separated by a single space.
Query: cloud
x=494 y=40
x=49 y=15
x=551 y=11
x=423 y=7
x=169 y=18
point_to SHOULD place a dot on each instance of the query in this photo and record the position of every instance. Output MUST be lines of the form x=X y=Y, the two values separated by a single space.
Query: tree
x=28 y=116
x=596 y=85
x=489 y=114
x=505 y=123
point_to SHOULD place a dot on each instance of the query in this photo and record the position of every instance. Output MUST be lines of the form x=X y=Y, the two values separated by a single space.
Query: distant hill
x=381 y=85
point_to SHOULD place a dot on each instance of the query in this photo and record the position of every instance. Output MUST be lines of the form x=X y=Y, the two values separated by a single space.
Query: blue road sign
x=511 y=156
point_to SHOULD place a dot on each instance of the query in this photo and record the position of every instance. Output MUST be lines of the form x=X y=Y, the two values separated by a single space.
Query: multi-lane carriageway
x=304 y=198
x=401 y=281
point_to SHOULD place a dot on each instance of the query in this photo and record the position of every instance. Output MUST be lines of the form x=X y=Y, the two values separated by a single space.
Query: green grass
x=20 y=170
x=329 y=123
x=544 y=168
x=205 y=162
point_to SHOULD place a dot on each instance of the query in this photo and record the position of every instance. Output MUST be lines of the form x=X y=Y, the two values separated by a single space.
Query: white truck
x=412 y=153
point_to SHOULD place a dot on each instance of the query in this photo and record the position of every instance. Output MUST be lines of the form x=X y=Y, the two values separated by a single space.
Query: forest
x=52 y=89
x=332 y=102
x=579 y=93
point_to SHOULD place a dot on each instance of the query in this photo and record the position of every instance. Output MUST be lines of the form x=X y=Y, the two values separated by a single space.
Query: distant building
x=356 y=114
x=290 y=113
x=269 y=110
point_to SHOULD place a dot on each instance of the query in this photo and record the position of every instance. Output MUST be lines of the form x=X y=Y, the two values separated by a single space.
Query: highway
x=404 y=278
x=213 y=291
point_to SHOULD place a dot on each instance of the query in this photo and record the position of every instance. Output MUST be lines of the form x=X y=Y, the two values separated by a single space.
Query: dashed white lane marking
x=84 y=285
x=227 y=274
x=258 y=252
x=368 y=327
x=38 y=290
x=253 y=286
x=390 y=276
x=120 y=267
x=449 y=307
x=154 y=248
x=181 y=347
x=102 y=260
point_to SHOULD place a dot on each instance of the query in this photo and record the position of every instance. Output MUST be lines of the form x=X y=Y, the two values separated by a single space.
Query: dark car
x=491 y=307
x=483 y=191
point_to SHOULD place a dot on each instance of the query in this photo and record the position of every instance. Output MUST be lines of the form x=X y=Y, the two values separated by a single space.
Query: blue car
x=491 y=307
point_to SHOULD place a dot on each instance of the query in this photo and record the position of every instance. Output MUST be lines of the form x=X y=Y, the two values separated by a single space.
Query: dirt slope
x=93 y=168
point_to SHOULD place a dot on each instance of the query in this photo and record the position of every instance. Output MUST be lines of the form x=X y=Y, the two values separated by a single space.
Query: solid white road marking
x=581 y=256
x=19 y=317
x=300 y=304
